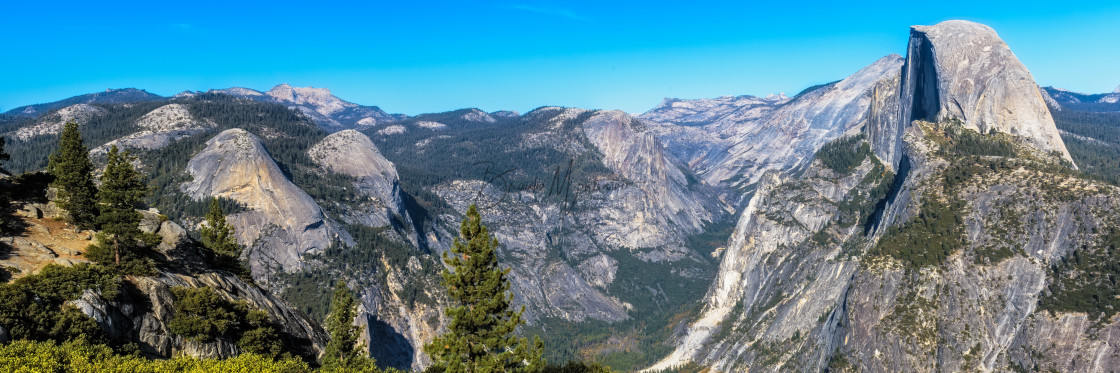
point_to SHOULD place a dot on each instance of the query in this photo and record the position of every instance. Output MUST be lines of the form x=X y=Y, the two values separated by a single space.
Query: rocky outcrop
x=159 y=128
x=143 y=313
x=804 y=287
x=351 y=153
x=52 y=124
x=143 y=308
x=319 y=104
x=282 y=222
x=475 y=115
x=963 y=70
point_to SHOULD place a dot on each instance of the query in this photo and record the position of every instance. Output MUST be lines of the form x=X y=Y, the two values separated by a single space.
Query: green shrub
x=77 y=356
x=930 y=237
x=202 y=315
x=843 y=155
x=32 y=307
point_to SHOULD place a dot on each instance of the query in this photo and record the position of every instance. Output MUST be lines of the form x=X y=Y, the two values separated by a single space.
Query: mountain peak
x=963 y=70
x=1117 y=90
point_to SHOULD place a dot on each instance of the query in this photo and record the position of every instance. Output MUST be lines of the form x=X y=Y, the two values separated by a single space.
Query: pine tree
x=73 y=177
x=342 y=353
x=6 y=219
x=122 y=189
x=481 y=335
x=4 y=156
x=217 y=235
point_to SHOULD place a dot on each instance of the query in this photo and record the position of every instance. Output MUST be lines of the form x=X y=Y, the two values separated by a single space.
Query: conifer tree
x=73 y=177
x=122 y=189
x=6 y=220
x=342 y=353
x=4 y=156
x=217 y=235
x=481 y=335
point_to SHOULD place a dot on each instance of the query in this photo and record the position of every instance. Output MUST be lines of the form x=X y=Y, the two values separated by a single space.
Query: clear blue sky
x=427 y=56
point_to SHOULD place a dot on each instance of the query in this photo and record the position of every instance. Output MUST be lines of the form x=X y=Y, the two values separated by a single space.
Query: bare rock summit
x=351 y=153
x=282 y=222
x=963 y=70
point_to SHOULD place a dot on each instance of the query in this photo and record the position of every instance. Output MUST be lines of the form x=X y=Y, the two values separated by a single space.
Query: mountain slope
x=735 y=149
x=139 y=310
x=282 y=223
x=326 y=109
x=353 y=154
x=963 y=70
x=957 y=263
x=110 y=96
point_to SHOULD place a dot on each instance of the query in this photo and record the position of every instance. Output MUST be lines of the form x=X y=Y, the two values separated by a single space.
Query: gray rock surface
x=565 y=252
x=740 y=138
x=798 y=290
x=282 y=222
x=963 y=70
x=52 y=124
x=158 y=128
x=351 y=153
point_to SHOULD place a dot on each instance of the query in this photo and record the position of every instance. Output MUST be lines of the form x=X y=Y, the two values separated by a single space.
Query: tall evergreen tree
x=6 y=220
x=217 y=235
x=73 y=177
x=481 y=335
x=122 y=189
x=342 y=353
x=4 y=156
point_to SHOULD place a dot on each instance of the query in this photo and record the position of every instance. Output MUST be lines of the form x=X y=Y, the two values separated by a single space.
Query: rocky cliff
x=961 y=262
x=739 y=139
x=963 y=70
x=145 y=306
x=562 y=239
x=282 y=223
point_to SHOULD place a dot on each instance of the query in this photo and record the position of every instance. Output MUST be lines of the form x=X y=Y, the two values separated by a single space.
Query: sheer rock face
x=640 y=158
x=798 y=290
x=963 y=70
x=351 y=153
x=638 y=207
x=738 y=139
x=282 y=222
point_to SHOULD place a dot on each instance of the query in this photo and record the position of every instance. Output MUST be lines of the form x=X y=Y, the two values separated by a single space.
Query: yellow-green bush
x=79 y=357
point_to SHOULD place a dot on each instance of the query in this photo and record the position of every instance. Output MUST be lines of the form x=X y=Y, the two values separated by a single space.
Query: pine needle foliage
x=72 y=170
x=122 y=189
x=343 y=354
x=481 y=335
x=217 y=235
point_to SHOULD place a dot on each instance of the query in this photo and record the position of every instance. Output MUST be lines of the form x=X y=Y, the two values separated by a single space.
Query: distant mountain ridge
x=613 y=226
x=1099 y=102
x=329 y=111
x=110 y=96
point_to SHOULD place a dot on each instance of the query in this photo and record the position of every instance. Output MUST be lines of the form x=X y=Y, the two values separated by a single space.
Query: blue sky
x=428 y=56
